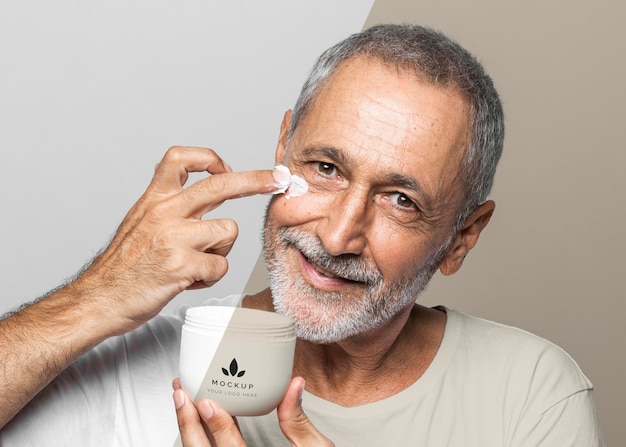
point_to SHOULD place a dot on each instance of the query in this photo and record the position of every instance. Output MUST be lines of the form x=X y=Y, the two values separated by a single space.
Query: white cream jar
x=240 y=358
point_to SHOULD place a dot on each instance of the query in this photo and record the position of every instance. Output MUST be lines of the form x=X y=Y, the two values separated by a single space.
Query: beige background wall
x=552 y=259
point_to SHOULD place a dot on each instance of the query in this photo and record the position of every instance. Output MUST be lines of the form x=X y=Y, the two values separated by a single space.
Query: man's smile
x=321 y=277
x=322 y=270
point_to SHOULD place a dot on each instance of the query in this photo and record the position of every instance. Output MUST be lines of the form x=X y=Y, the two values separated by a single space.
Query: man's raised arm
x=161 y=248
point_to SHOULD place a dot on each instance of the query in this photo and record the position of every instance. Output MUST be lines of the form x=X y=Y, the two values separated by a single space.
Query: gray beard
x=329 y=317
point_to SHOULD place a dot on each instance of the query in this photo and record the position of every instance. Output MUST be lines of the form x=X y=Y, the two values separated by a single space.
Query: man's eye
x=402 y=201
x=327 y=168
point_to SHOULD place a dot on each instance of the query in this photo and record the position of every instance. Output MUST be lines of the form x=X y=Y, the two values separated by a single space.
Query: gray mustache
x=348 y=266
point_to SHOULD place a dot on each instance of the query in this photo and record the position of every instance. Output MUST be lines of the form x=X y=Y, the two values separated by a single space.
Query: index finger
x=207 y=194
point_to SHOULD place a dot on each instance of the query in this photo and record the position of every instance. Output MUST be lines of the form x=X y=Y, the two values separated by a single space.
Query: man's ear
x=281 y=147
x=466 y=238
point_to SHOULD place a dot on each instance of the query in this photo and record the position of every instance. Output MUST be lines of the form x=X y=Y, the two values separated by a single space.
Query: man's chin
x=311 y=331
x=321 y=326
x=318 y=337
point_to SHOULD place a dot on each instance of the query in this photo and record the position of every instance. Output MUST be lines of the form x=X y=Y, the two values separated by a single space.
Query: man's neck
x=381 y=362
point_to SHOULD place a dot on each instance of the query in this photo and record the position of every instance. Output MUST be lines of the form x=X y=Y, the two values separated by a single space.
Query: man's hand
x=163 y=246
x=208 y=425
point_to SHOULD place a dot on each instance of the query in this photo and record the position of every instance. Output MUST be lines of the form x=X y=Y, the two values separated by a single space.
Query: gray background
x=91 y=96
x=93 y=93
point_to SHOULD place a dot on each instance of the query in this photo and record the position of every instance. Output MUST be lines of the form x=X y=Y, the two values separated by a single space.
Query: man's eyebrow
x=327 y=152
x=409 y=183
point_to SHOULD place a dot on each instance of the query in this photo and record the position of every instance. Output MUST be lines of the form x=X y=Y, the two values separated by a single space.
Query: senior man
x=397 y=132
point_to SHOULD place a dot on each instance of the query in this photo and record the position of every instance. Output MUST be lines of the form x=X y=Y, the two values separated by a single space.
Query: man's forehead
x=386 y=107
x=390 y=83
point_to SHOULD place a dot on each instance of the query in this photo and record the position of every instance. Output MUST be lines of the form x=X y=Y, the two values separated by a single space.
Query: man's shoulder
x=513 y=352
x=494 y=337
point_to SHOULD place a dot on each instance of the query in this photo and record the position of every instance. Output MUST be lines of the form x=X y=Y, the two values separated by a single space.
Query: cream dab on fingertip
x=282 y=175
x=290 y=184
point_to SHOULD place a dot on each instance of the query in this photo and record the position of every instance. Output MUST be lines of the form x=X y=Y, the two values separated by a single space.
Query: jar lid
x=240 y=322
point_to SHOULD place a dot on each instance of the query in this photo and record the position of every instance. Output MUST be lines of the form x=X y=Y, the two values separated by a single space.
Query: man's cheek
x=297 y=210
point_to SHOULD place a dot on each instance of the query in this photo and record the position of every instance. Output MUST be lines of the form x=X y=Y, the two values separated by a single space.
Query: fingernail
x=227 y=166
x=205 y=409
x=179 y=398
x=301 y=391
x=283 y=178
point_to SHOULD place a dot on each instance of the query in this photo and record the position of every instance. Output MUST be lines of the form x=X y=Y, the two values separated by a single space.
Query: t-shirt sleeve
x=558 y=409
x=101 y=398
x=76 y=407
x=572 y=422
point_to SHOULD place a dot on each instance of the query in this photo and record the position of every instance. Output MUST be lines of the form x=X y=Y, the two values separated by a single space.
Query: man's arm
x=161 y=248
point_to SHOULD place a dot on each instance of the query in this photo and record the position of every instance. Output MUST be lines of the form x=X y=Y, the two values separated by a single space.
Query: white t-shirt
x=489 y=385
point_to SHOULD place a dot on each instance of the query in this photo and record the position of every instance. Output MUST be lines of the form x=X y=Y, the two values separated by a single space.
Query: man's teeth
x=324 y=272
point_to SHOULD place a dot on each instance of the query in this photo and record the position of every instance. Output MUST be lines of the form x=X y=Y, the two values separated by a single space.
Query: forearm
x=40 y=341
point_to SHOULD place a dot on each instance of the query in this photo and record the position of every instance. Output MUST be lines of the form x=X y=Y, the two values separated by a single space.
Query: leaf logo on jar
x=233 y=370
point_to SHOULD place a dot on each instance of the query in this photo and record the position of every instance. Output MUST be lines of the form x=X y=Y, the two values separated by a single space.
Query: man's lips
x=323 y=271
x=321 y=277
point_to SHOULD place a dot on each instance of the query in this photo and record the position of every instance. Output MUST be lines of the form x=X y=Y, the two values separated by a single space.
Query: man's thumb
x=294 y=423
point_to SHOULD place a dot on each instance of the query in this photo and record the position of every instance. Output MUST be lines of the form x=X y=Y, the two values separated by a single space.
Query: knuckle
x=161 y=240
x=174 y=151
x=224 y=430
x=221 y=233
x=217 y=266
x=174 y=154
x=184 y=421
x=196 y=196
x=217 y=183
x=157 y=212
x=228 y=228
x=177 y=262
x=210 y=152
x=218 y=425
x=301 y=421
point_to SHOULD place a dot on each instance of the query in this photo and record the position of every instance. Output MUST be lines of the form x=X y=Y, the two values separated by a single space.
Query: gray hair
x=436 y=59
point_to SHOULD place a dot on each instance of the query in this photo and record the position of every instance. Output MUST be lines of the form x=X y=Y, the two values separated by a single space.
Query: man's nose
x=343 y=230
